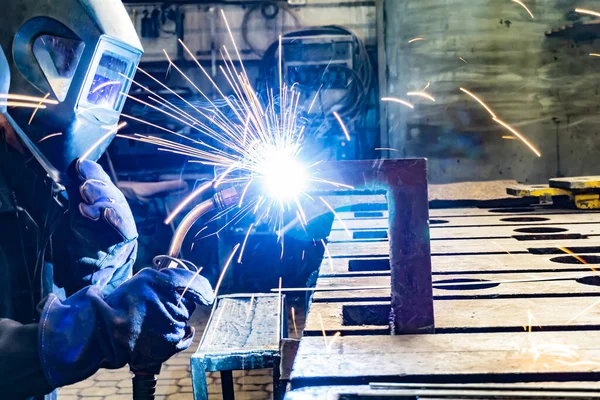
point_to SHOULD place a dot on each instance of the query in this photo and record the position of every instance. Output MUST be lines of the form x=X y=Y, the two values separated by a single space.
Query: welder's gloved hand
x=143 y=323
x=103 y=246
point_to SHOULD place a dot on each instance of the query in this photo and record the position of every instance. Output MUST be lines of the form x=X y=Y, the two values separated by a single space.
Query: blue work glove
x=143 y=323
x=102 y=245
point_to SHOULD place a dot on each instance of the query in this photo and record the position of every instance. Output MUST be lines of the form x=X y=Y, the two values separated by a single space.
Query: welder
x=68 y=303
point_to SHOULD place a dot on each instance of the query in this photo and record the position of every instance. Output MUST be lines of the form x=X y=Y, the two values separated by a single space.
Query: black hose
x=144 y=386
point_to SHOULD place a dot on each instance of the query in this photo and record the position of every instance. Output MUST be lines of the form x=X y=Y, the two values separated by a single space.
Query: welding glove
x=102 y=244
x=143 y=323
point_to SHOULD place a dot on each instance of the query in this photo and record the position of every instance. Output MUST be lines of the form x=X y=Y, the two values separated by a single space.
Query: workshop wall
x=255 y=25
x=543 y=83
x=205 y=32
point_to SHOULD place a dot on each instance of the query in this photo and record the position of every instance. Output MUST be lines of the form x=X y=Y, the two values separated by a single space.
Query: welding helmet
x=81 y=53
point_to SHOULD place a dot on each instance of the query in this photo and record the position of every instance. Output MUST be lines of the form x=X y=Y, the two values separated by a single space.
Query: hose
x=144 y=382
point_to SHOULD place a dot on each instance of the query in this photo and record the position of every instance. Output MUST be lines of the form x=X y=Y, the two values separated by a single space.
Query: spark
x=108 y=134
x=509 y=138
x=36 y=110
x=477 y=99
x=105 y=84
x=328 y=255
x=336 y=215
x=335 y=336
x=249 y=309
x=426 y=86
x=416 y=39
x=294 y=321
x=43 y=100
x=244 y=243
x=578 y=258
x=502 y=123
x=422 y=94
x=187 y=200
x=188 y=286
x=212 y=338
x=589 y=12
x=399 y=101
x=342 y=125
x=225 y=268
x=323 y=330
x=595 y=54
x=584 y=311
x=520 y=136
x=530 y=319
x=253 y=141
x=519 y=2
x=21 y=104
x=463 y=60
x=385 y=149
x=279 y=302
x=49 y=136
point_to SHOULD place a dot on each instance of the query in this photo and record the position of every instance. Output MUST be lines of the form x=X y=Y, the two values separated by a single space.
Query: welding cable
x=352 y=105
x=144 y=382
x=262 y=6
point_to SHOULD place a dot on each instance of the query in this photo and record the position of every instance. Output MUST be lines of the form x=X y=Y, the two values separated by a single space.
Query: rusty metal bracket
x=405 y=184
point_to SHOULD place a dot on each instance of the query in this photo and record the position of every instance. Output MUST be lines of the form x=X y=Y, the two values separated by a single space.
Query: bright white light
x=284 y=178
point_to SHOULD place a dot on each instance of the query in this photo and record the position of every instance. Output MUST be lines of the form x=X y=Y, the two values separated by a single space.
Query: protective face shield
x=81 y=53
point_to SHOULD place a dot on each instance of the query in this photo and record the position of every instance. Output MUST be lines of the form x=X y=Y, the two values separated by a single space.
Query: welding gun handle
x=144 y=383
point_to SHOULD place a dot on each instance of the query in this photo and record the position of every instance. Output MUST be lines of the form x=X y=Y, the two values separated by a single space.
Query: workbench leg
x=227 y=385
x=199 y=381
x=278 y=388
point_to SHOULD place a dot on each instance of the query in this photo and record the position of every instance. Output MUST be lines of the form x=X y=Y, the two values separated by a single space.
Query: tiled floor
x=174 y=380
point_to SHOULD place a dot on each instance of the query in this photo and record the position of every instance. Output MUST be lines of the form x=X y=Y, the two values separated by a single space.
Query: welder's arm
x=101 y=237
x=21 y=373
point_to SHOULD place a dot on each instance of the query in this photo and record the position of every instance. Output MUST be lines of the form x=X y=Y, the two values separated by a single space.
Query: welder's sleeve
x=21 y=373
x=101 y=240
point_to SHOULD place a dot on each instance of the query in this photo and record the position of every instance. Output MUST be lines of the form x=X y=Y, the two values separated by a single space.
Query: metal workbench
x=516 y=306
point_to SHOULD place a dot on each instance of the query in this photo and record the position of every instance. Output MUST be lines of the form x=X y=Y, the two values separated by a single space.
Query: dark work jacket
x=23 y=284
x=33 y=236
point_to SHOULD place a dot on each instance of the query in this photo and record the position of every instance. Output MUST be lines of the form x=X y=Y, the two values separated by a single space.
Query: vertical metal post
x=227 y=385
x=405 y=182
x=410 y=253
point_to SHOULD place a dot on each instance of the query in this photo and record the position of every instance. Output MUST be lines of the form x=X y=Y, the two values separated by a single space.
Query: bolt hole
x=555 y=250
x=378 y=264
x=541 y=230
x=559 y=236
x=589 y=280
x=369 y=235
x=464 y=284
x=525 y=219
x=576 y=260
x=368 y=214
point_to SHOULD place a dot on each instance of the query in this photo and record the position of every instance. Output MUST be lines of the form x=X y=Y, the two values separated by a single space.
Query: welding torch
x=144 y=381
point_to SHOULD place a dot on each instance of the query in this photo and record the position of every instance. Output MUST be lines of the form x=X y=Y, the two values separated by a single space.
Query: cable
x=352 y=105
x=263 y=5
